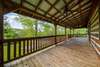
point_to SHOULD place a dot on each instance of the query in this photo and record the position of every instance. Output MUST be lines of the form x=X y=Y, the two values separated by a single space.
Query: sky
x=11 y=20
x=16 y=24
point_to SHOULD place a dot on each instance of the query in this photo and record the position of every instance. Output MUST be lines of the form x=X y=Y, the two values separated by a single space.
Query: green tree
x=29 y=26
x=9 y=33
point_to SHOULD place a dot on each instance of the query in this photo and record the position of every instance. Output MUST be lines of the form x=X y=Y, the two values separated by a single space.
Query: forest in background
x=19 y=26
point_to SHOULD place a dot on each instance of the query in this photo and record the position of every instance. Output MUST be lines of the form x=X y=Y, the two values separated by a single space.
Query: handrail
x=17 y=48
x=39 y=37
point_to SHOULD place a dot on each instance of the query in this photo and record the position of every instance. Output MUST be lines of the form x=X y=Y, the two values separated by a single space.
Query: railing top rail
x=39 y=37
x=20 y=39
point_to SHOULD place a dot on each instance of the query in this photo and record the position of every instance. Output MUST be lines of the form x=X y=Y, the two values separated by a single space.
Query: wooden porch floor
x=73 y=53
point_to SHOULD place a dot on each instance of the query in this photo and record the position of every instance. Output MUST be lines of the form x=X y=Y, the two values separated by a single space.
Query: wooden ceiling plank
x=9 y=6
x=78 y=16
x=61 y=9
x=38 y=8
x=63 y=13
x=78 y=12
x=71 y=8
x=37 y=15
x=38 y=5
x=81 y=6
x=52 y=5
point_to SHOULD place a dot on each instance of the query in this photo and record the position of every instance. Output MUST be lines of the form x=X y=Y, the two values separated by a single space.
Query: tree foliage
x=29 y=28
x=9 y=32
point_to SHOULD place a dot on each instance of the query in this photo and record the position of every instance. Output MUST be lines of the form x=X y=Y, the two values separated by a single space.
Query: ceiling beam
x=38 y=5
x=83 y=11
x=77 y=12
x=76 y=9
x=64 y=8
x=51 y=6
x=9 y=6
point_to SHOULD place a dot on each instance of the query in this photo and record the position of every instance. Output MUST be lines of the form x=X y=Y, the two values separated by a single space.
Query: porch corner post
x=55 y=33
x=1 y=38
x=99 y=19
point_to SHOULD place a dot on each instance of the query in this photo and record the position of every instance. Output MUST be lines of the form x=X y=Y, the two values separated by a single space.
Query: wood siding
x=95 y=29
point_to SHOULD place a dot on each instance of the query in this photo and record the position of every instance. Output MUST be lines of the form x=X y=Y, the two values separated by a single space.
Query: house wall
x=94 y=29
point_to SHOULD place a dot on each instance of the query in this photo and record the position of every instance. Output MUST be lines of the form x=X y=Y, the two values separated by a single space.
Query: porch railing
x=17 y=48
x=77 y=35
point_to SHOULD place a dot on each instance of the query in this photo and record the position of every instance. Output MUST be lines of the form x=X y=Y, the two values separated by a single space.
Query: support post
x=36 y=24
x=1 y=39
x=99 y=19
x=89 y=31
x=73 y=32
x=70 y=32
x=36 y=41
x=65 y=32
x=77 y=33
x=55 y=33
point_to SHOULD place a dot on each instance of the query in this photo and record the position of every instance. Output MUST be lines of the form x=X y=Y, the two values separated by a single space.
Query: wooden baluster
x=38 y=44
x=8 y=49
x=19 y=48
x=24 y=47
x=27 y=46
x=31 y=46
x=55 y=34
x=15 y=50
x=35 y=44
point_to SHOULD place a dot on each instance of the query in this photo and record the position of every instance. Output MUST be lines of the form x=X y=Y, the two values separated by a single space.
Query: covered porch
x=76 y=52
x=70 y=49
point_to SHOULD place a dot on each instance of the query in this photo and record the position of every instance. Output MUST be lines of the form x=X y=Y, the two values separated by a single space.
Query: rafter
x=79 y=11
x=52 y=6
x=38 y=5
x=61 y=9
x=77 y=8
x=38 y=8
x=71 y=8
x=83 y=11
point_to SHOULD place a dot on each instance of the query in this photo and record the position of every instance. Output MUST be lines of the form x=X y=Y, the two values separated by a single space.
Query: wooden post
x=77 y=33
x=55 y=33
x=70 y=32
x=36 y=41
x=65 y=32
x=36 y=25
x=73 y=32
x=99 y=19
x=89 y=31
x=1 y=39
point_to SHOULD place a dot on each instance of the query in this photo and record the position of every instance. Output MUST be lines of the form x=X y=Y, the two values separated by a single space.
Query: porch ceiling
x=69 y=13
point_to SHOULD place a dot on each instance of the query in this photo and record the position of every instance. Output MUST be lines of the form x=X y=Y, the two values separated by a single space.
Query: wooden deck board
x=73 y=53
